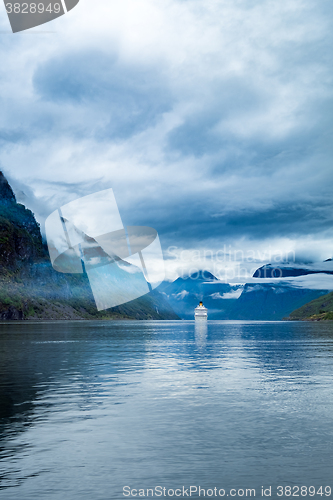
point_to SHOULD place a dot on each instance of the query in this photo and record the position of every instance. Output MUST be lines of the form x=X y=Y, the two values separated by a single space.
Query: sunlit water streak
x=89 y=407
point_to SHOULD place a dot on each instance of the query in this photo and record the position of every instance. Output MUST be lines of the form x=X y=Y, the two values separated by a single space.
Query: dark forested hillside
x=20 y=237
x=316 y=310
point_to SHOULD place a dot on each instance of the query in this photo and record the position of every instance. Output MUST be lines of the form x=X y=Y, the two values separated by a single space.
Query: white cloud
x=181 y=295
x=319 y=281
x=234 y=294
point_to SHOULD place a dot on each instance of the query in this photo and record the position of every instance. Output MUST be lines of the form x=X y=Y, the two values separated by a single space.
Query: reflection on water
x=201 y=332
x=89 y=407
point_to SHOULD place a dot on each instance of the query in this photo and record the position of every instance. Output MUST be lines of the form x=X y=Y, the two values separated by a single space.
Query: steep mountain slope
x=318 y=309
x=20 y=237
x=31 y=289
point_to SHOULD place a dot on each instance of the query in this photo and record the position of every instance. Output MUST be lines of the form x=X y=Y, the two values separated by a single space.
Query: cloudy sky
x=211 y=121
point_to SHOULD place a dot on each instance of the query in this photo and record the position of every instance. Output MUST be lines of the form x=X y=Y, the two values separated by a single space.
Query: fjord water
x=90 y=407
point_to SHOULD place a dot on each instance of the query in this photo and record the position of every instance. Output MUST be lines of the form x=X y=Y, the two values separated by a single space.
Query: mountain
x=20 y=237
x=316 y=310
x=272 y=294
x=272 y=302
x=31 y=289
x=288 y=269
x=280 y=289
x=185 y=293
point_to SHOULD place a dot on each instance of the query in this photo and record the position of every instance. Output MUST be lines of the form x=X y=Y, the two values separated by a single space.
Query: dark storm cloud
x=187 y=223
x=130 y=98
x=199 y=134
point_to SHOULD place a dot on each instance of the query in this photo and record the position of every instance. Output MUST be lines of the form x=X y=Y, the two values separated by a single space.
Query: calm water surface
x=89 y=407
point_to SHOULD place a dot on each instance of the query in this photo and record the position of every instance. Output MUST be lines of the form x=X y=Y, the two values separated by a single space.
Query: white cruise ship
x=200 y=312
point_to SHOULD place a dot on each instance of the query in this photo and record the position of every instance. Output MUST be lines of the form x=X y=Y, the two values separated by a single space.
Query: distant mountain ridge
x=273 y=298
x=31 y=289
x=287 y=269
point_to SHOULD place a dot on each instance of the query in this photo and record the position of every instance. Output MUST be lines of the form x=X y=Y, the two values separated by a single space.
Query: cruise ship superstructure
x=200 y=312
